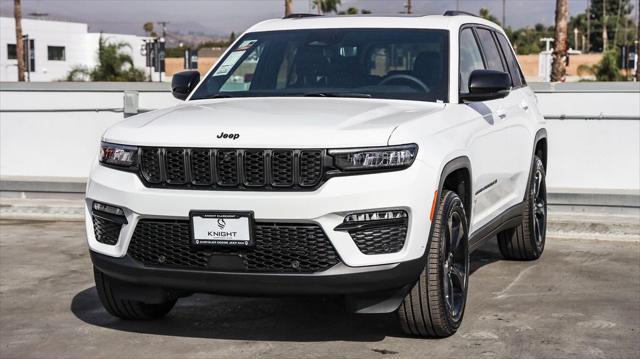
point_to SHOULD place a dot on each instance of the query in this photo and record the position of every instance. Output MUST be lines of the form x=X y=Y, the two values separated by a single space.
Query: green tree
x=617 y=19
x=327 y=6
x=485 y=14
x=350 y=11
x=232 y=37
x=113 y=65
x=148 y=29
x=606 y=70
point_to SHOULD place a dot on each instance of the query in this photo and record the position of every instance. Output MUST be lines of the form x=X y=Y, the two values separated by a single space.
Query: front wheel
x=435 y=305
x=125 y=308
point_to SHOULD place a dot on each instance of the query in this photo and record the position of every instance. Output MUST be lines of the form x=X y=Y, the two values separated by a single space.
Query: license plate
x=222 y=229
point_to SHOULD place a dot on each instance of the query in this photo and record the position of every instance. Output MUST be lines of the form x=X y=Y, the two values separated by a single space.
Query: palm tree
x=17 y=15
x=558 y=69
x=325 y=6
x=288 y=7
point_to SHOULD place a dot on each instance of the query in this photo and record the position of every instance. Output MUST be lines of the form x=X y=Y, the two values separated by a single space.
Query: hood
x=271 y=122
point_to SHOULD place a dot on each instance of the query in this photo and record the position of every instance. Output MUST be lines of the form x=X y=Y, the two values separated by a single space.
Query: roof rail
x=300 y=16
x=458 y=13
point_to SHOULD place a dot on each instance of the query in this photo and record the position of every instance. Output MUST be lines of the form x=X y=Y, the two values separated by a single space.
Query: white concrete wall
x=584 y=154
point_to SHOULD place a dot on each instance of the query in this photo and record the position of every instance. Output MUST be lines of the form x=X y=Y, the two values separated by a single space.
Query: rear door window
x=492 y=54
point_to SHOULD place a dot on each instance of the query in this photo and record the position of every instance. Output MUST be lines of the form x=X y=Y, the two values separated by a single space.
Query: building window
x=11 y=52
x=55 y=53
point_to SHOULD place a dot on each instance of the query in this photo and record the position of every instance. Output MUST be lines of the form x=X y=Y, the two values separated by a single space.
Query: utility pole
x=164 y=27
x=17 y=15
x=605 y=37
x=504 y=13
x=409 y=7
x=558 y=68
x=458 y=5
x=588 y=47
x=638 y=44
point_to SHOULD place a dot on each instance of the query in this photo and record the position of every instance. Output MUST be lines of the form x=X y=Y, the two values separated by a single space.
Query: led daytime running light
x=375 y=216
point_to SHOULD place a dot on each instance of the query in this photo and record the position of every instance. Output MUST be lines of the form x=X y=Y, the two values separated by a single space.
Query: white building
x=58 y=46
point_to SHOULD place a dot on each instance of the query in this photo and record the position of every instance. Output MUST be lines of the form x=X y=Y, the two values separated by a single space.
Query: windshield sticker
x=246 y=45
x=228 y=64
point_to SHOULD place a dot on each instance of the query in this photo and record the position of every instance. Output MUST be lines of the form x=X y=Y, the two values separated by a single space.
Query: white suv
x=357 y=156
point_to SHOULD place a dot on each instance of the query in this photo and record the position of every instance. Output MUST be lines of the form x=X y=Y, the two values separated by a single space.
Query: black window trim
x=495 y=42
x=504 y=55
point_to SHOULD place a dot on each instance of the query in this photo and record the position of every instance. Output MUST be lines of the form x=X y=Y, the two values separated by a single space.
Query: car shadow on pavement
x=299 y=319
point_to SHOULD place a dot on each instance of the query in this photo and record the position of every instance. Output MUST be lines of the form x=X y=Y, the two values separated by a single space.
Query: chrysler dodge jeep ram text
x=364 y=157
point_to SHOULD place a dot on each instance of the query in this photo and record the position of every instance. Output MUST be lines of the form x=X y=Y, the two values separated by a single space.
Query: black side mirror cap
x=183 y=83
x=485 y=85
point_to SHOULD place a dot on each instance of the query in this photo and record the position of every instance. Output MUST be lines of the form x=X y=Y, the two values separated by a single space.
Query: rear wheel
x=124 y=308
x=435 y=305
x=526 y=241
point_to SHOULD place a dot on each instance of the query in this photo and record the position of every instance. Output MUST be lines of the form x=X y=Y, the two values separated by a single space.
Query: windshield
x=405 y=64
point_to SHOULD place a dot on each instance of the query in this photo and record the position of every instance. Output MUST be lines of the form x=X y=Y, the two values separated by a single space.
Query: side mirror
x=183 y=83
x=487 y=85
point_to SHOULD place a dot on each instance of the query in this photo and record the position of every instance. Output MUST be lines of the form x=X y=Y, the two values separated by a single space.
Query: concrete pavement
x=580 y=300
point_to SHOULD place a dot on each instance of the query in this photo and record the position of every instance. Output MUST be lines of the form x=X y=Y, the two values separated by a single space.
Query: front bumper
x=411 y=190
x=340 y=279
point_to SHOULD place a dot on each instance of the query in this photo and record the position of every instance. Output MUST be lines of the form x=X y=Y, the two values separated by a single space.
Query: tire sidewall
x=538 y=166
x=452 y=203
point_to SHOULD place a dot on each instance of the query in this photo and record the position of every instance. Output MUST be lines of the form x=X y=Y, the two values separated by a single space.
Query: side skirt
x=507 y=219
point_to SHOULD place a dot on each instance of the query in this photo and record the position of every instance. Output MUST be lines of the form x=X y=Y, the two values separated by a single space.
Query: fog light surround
x=109 y=212
x=361 y=220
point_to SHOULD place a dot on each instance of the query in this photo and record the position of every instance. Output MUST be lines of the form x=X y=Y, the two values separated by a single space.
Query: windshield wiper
x=337 y=94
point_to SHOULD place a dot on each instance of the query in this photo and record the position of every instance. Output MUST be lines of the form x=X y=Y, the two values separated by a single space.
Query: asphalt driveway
x=580 y=300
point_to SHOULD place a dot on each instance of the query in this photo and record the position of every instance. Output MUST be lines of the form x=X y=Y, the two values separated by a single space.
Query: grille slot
x=150 y=165
x=381 y=240
x=254 y=171
x=280 y=248
x=175 y=166
x=310 y=168
x=106 y=231
x=232 y=169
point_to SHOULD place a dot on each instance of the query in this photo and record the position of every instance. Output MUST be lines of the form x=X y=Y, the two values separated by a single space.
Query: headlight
x=118 y=155
x=391 y=157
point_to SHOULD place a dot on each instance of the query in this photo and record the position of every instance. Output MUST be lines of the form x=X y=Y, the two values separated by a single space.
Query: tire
x=124 y=308
x=526 y=241
x=427 y=311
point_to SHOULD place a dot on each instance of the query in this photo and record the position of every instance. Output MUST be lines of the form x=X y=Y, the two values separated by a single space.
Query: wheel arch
x=540 y=146
x=456 y=176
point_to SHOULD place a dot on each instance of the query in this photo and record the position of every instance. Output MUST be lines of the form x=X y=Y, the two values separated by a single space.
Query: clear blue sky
x=224 y=16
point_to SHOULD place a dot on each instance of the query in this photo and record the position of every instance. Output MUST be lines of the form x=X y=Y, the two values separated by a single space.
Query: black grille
x=235 y=169
x=381 y=240
x=280 y=248
x=106 y=231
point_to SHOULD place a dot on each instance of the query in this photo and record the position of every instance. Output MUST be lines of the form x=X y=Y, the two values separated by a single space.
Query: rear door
x=523 y=120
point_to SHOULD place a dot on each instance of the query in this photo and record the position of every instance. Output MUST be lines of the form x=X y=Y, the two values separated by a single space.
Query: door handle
x=501 y=114
x=524 y=105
